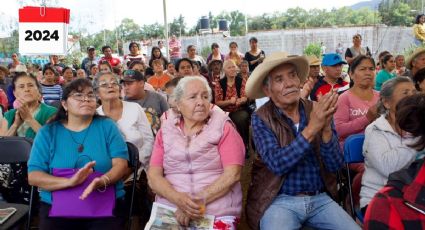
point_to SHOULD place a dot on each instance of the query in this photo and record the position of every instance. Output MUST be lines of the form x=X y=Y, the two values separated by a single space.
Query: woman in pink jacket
x=198 y=155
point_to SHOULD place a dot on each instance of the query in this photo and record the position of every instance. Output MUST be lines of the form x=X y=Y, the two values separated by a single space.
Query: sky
x=95 y=15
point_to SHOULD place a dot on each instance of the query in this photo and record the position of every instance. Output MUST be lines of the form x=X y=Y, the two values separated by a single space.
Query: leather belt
x=313 y=193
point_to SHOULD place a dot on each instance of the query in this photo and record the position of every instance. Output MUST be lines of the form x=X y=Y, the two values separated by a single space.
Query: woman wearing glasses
x=79 y=139
x=130 y=116
x=133 y=124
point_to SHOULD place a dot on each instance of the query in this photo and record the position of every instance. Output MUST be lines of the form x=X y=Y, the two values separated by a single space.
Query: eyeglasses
x=83 y=97
x=105 y=84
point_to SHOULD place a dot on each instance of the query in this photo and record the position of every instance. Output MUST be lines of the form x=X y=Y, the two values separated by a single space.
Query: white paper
x=162 y=217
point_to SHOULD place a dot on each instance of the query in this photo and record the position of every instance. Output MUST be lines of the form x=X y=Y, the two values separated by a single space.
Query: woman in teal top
x=386 y=73
x=23 y=121
x=78 y=138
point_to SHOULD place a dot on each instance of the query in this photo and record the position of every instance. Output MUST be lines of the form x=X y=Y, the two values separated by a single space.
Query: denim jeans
x=294 y=212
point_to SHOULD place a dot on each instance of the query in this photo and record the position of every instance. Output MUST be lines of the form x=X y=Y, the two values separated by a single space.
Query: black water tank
x=223 y=25
x=205 y=23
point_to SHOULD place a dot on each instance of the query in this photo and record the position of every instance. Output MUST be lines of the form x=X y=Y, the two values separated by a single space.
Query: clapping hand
x=96 y=183
x=81 y=174
x=308 y=86
x=24 y=110
x=17 y=120
x=323 y=110
x=332 y=108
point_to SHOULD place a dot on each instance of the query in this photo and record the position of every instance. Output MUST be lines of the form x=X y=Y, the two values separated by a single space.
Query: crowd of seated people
x=193 y=121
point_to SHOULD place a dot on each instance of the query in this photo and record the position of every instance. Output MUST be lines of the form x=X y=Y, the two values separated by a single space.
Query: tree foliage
x=301 y=18
x=312 y=49
x=178 y=26
x=129 y=30
x=10 y=44
x=399 y=12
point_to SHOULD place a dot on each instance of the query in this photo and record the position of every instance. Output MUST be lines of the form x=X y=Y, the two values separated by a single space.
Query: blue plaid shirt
x=296 y=160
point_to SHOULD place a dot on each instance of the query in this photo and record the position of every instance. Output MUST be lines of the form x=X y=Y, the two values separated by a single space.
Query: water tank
x=223 y=25
x=205 y=23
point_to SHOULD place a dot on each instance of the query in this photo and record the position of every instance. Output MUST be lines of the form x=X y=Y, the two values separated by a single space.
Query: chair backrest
x=14 y=149
x=133 y=155
x=353 y=149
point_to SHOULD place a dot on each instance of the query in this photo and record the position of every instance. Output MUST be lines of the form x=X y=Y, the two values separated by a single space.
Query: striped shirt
x=51 y=93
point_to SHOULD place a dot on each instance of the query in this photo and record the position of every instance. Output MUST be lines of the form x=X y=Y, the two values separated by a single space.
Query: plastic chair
x=16 y=150
x=353 y=153
x=133 y=163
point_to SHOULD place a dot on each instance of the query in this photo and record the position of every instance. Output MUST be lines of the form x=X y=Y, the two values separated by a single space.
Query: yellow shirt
x=419 y=32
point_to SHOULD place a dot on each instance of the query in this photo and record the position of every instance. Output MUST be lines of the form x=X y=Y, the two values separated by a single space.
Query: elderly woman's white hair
x=229 y=62
x=181 y=87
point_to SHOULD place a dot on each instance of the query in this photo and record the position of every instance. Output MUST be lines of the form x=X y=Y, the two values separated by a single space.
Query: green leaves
x=399 y=12
x=300 y=18
x=312 y=49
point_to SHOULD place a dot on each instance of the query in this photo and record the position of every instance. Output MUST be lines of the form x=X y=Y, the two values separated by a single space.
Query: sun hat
x=411 y=57
x=313 y=60
x=254 y=85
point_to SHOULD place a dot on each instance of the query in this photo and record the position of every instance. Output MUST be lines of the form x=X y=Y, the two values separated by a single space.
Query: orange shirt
x=159 y=82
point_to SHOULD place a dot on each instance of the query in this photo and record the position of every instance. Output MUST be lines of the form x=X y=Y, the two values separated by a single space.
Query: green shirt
x=44 y=114
x=382 y=76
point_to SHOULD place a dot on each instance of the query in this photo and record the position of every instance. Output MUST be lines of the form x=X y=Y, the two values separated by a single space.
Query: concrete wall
x=377 y=38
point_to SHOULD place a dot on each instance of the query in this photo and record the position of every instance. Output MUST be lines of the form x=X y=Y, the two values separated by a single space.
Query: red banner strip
x=34 y=14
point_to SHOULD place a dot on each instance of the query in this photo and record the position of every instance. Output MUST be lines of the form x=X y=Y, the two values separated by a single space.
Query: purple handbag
x=67 y=204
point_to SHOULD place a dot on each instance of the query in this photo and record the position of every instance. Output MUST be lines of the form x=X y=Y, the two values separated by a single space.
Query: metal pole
x=166 y=28
x=116 y=29
x=246 y=24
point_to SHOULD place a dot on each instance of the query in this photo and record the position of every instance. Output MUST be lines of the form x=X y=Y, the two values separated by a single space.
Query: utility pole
x=166 y=27
x=246 y=16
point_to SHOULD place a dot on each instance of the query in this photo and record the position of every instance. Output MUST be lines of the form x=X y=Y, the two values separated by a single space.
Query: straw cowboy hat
x=254 y=85
x=415 y=53
x=313 y=60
